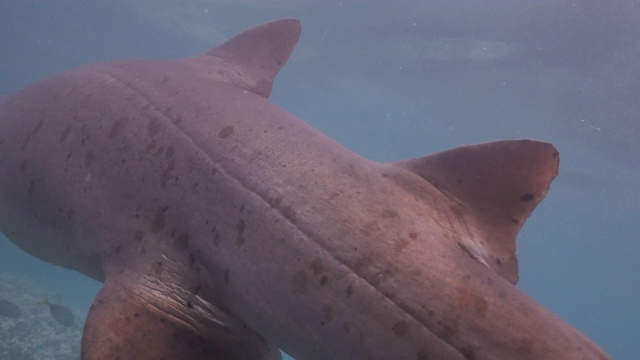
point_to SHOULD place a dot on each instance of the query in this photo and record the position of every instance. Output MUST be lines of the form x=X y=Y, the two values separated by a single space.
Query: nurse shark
x=223 y=227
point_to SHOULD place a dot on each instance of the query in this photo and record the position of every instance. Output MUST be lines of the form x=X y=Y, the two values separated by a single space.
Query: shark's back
x=223 y=226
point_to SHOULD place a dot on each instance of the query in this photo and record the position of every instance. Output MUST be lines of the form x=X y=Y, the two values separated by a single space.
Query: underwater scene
x=389 y=80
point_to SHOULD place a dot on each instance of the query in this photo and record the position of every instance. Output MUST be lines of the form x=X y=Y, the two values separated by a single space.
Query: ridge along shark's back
x=224 y=227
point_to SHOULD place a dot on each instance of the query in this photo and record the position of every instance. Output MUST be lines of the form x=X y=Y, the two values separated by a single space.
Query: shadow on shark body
x=224 y=227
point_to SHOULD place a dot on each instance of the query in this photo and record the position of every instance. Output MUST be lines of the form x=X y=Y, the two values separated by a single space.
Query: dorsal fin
x=497 y=186
x=252 y=58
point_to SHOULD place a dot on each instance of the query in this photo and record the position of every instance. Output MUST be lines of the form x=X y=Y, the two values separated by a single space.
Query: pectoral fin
x=131 y=321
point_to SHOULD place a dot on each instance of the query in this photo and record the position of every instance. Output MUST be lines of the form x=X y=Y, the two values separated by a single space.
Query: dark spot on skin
x=400 y=244
x=151 y=145
x=275 y=202
x=169 y=152
x=363 y=338
x=226 y=276
x=88 y=159
x=289 y=213
x=413 y=235
x=181 y=242
x=346 y=327
x=189 y=305
x=327 y=312
x=192 y=259
x=118 y=249
x=363 y=262
x=526 y=197
x=471 y=299
x=240 y=226
x=225 y=132
x=323 y=280
x=37 y=127
x=32 y=183
x=388 y=213
x=65 y=134
x=25 y=142
x=525 y=347
x=447 y=329
x=423 y=353
x=467 y=351
x=158 y=220
x=299 y=282
x=118 y=127
x=70 y=213
x=157 y=267
x=159 y=151
x=124 y=149
x=401 y=328
x=166 y=173
x=349 y=291
x=316 y=266
x=139 y=235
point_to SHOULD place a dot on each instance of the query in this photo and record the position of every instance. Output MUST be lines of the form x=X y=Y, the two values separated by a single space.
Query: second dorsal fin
x=498 y=184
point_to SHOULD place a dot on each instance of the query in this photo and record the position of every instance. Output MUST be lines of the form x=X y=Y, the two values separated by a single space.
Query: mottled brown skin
x=223 y=226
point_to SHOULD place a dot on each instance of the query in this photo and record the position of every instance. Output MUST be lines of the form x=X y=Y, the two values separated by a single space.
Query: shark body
x=224 y=227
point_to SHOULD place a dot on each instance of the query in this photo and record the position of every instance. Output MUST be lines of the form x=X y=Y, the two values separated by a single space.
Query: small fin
x=133 y=321
x=496 y=185
x=254 y=57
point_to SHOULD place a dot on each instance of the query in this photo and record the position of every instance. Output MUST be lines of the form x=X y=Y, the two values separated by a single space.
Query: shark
x=224 y=227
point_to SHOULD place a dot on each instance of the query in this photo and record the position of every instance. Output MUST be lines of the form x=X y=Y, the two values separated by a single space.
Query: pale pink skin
x=181 y=183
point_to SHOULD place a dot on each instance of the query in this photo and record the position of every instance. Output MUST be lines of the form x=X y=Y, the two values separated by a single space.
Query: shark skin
x=224 y=227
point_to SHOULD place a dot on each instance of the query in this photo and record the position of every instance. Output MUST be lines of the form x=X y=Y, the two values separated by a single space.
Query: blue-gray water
x=399 y=79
